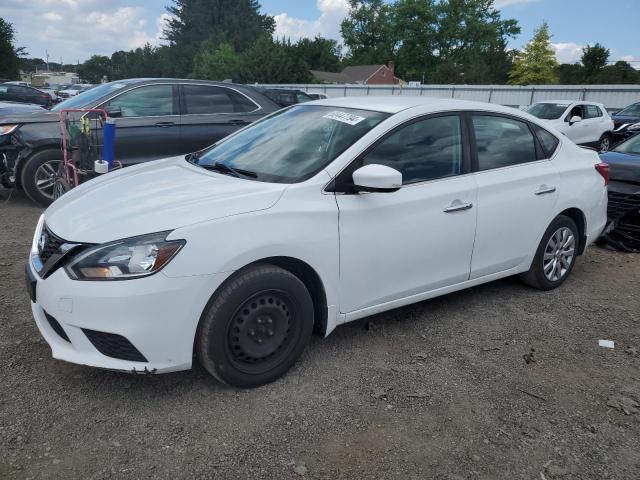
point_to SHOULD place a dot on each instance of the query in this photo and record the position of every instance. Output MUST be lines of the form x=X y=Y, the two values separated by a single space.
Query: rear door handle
x=458 y=206
x=544 y=189
x=165 y=124
x=238 y=122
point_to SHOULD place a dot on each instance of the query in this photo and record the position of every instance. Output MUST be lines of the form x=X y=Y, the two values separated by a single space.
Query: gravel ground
x=438 y=390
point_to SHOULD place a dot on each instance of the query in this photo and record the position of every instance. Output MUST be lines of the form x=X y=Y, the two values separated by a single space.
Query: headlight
x=125 y=259
x=635 y=126
x=7 y=129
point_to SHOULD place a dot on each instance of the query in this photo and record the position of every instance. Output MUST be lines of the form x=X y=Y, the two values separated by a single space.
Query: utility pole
x=47 y=55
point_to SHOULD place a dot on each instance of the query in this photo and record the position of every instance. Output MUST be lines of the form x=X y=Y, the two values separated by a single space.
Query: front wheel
x=39 y=175
x=604 y=144
x=255 y=327
x=555 y=256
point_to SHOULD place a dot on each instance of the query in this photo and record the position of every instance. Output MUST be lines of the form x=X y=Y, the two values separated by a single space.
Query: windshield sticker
x=344 y=117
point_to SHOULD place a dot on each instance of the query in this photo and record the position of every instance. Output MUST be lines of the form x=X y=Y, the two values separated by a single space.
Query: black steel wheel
x=255 y=327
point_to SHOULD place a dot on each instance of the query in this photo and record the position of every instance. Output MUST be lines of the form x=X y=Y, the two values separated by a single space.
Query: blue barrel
x=109 y=141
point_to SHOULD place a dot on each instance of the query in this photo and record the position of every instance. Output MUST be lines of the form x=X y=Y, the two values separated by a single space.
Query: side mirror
x=113 y=112
x=377 y=178
x=575 y=119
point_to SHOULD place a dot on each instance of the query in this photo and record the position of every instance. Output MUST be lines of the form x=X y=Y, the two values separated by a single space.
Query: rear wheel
x=604 y=144
x=555 y=256
x=256 y=327
x=39 y=175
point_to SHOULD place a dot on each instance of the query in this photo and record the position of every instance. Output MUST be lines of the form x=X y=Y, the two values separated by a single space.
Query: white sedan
x=586 y=123
x=314 y=216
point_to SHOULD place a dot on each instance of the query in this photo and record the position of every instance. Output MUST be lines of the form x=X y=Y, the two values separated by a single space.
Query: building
x=360 y=74
x=42 y=78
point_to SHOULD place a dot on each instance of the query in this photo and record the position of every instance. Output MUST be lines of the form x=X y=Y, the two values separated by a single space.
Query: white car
x=586 y=123
x=314 y=216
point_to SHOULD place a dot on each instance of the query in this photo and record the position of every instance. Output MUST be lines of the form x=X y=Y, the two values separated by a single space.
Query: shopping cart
x=82 y=143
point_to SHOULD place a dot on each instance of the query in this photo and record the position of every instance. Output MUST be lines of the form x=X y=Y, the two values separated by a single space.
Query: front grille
x=114 y=346
x=57 y=327
x=620 y=204
x=50 y=246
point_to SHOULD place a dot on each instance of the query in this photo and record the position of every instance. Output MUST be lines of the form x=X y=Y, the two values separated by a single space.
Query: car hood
x=625 y=119
x=154 y=197
x=624 y=167
x=37 y=116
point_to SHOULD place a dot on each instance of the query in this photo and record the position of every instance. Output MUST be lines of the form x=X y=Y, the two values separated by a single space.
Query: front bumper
x=158 y=315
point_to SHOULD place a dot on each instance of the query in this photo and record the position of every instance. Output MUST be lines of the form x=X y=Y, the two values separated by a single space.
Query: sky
x=73 y=30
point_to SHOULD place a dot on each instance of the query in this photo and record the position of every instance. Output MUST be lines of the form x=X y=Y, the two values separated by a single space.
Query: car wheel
x=555 y=256
x=39 y=175
x=255 y=328
x=604 y=144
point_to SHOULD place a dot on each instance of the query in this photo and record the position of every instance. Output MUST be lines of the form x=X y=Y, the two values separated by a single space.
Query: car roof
x=571 y=102
x=397 y=103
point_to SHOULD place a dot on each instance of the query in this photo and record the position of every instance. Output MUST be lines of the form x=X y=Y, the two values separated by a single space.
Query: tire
x=542 y=277
x=604 y=144
x=41 y=167
x=256 y=327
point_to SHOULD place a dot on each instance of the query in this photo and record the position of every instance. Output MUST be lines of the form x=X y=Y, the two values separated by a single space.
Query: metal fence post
x=533 y=92
x=490 y=94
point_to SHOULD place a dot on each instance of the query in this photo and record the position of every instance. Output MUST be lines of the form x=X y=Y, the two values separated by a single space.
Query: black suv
x=156 y=118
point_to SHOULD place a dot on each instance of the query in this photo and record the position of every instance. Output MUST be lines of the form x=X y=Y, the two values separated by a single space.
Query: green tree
x=619 y=73
x=238 y=23
x=9 y=53
x=570 y=74
x=537 y=63
x=319 y=53
x=594 y=59
x=368 y=32
x=269 y=61
x=95 y=69
x=216 y=63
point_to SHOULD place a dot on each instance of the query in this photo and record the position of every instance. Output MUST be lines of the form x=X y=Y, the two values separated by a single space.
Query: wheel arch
x=23 y=159
x=580 y=220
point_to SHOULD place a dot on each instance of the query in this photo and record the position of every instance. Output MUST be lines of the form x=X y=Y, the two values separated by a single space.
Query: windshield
x=629 y=146
x=86 y=99
x=548 y=111
x=630 y=111
x=293 y=144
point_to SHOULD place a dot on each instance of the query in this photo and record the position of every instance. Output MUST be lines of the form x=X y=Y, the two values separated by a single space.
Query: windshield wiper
x=235 y=172
x=192 y=157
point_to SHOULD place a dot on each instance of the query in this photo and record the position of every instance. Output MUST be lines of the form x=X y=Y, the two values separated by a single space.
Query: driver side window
x=424 y=150
x=149 y=101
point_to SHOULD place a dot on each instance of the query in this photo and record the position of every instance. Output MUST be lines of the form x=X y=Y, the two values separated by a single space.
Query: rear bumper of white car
x=138 y=326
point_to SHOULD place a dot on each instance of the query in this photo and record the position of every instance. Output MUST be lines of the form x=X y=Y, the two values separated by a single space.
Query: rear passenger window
x=425 y=150
x=204 y=99
x=502 y=142
x=548 y=141
x=593 y=111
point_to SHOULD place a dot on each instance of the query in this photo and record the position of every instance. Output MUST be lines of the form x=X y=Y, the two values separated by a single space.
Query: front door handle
x=165 y=124
x=544 y=189
x=458 y=206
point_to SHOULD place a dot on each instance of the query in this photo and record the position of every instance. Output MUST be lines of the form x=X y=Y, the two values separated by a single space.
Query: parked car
x=52 y=92
x=73 y=90
x=154 y=118
x=286 y=97
x=317 y=96
x=626 y=122
x=316 y=215
x=24 y=94
x=10 y=108
x=623 y=230
x=586 y=123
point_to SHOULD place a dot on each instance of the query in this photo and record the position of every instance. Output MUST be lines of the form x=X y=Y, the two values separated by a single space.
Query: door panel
x=516 y=194
x=149 y=127
x=419 y=238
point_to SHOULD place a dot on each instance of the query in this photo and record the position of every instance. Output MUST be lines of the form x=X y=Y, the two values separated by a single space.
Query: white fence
x=612 y=96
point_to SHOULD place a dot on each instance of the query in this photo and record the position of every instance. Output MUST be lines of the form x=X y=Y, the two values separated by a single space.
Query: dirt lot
x=439 y=390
